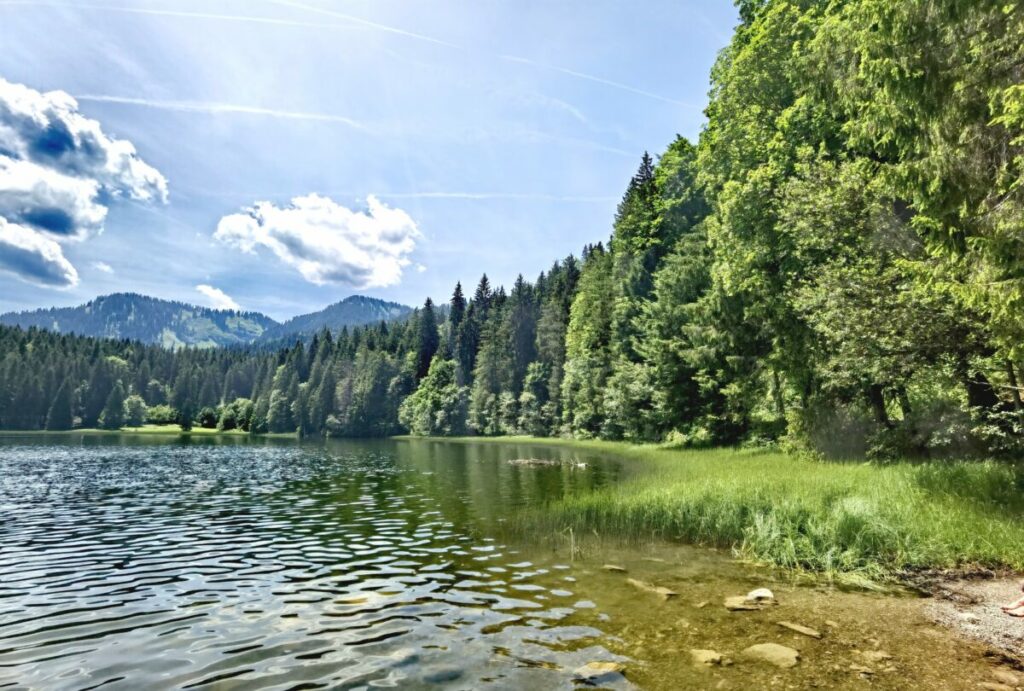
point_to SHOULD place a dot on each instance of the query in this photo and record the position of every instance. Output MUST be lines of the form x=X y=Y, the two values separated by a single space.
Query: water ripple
x=278 y=567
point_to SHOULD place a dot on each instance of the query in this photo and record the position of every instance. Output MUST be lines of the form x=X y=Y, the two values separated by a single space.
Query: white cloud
x=58 y=174
x=34 y=257
x=326 y=242
x=103 y=266
x=218 y=299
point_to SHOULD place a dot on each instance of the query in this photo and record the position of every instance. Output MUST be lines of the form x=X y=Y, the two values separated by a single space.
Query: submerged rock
x=595 y=670
x=741 y=604
x=774 y=654
x=651 y=588
x=708 y=658
x=994 y=686
x=875 y=655
x=805 y=630
x=752 y=601
x=614 y=568
x=533 y=461
x=761 y=595
x=1005 y=676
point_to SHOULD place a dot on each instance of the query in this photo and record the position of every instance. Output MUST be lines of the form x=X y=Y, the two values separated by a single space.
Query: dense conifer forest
x=837 y=264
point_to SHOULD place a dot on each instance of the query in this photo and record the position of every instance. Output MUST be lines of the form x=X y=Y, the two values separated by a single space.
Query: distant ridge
x=175 y=324
x=151 y=320
x=355 y=310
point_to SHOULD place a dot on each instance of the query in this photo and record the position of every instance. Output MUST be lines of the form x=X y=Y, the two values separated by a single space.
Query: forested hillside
x=355 y=310
x=150 y=320
x=838 y=263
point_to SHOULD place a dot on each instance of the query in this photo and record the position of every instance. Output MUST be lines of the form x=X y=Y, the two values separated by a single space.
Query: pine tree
x=59 y=416
x=427 y=340
x=112 y=416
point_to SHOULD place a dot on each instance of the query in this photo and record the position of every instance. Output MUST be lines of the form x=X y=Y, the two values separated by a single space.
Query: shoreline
x=738 y=490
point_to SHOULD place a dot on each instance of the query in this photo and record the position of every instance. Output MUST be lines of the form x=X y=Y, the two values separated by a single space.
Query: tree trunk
x=876 y=397
x=1018 y=405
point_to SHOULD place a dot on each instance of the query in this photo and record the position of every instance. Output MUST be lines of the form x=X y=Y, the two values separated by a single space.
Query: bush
x=207 y=418
x=135 y=411
x=161 y=415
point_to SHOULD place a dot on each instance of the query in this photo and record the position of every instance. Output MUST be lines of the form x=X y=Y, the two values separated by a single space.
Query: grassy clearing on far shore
x=847 y=520
x=149 y=429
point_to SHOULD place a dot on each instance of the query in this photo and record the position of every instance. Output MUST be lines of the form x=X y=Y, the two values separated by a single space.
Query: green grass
x=149 y=430
x=848 y=520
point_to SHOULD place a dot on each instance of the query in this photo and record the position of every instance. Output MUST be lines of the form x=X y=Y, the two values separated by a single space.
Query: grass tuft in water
x=855 y=522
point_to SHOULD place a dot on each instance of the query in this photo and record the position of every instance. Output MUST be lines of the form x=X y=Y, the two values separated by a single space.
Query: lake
x=226 y=563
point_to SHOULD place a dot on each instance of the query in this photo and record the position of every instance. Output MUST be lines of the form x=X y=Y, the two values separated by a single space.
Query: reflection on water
x=141 y=563
x=155 y=565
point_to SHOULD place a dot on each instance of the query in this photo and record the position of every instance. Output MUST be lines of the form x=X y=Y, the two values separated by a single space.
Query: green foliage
x=836 y=265
x=207 y=418
x=135 y=411
x=438 y=406
x=161 y=415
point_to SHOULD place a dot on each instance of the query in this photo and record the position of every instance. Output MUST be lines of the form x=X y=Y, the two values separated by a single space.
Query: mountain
x=355 y=310
x=150 y=320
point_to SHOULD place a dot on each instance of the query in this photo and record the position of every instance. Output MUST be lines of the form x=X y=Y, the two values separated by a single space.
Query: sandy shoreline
x=972 y=608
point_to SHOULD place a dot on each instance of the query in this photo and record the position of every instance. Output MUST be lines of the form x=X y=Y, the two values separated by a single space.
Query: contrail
x=363 y=22
x=511 y=58
x=183 y=14
x=216 y=108
x=595 y=79
x=527 y=196
x=353 y=20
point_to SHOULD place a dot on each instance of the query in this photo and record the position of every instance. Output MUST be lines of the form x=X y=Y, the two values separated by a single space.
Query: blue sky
x=397 y=145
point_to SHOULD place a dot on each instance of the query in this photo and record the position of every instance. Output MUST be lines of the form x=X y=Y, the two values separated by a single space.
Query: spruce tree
x=427 y=340
x=59 y=416
x=112 y=416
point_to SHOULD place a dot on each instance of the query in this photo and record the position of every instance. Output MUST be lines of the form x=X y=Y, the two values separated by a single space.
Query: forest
x=835 y=266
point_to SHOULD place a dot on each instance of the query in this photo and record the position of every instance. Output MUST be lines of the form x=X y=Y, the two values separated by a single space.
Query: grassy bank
x=854 y=520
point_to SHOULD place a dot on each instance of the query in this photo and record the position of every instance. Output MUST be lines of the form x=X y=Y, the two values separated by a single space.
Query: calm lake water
x=146 y=563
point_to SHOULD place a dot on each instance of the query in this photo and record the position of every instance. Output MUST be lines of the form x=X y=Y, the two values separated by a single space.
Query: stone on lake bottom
x=614 y=568
x=1005 y=676
x=600 y=669
x=779 y=655
x=651 y=588
x=805 y=630
x=875 y=655
x=707 y=658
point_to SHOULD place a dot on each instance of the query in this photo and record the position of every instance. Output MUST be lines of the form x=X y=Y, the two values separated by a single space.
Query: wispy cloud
x=103 y=266
x=214 y=108
x=217 y=298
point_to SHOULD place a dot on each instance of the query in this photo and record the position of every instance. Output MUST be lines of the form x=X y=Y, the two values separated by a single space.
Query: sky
x=280 y=155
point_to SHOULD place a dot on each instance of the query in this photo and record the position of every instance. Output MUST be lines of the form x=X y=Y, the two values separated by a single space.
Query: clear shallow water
x=270 y=566
x=140 y=563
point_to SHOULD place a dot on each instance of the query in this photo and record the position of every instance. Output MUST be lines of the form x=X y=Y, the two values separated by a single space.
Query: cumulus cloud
x=58 y=174
x=217 y=298
x=34 y=256
x=327 y=242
